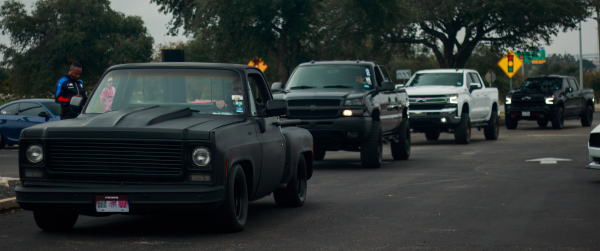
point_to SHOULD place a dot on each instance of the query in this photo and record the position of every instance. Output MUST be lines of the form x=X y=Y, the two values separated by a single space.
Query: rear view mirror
x=76 y=101
x=276 y=108
x=569 y=89
x=387 y=86
x=44 y=115
x=277 y=87
x=473 y=87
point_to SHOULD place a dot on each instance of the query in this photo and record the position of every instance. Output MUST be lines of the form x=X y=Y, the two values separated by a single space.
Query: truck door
x=272 y=141
x=388 y=110
x=477 y=94
x=575 y=98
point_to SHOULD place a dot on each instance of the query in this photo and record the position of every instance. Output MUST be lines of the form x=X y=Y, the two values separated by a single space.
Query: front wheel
x=371 y=150
x=233 y=214
x=558 y=122
x=511 y=123
x=492 y=129
x=401 y=149
x=588 y=116
x=462 y=134
x=55 y=221
x=295 y=192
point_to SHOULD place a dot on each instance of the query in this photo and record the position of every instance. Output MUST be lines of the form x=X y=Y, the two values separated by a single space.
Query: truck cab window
x=258 y=90
x=573 y=84
x=386 y=75
x=475 y=80
x=378 y=75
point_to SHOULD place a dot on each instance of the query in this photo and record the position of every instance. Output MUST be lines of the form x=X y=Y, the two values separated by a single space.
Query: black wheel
x=492 y=129
x=55 y=221
x=588 y=116
x=542 y=123
x=511 y=123
x=401 y=149
x=558 y=122
x=295 y=192
x=319 y=155
x=1 y=141
x=432 y=136
x=232 y=215
x=371 y=150
x=462 y=134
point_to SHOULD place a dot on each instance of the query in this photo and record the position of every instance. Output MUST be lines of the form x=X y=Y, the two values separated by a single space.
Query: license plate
x=525 y=114
x=112 y=203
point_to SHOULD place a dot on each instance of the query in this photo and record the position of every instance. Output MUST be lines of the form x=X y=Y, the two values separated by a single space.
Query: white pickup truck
x=453 y=101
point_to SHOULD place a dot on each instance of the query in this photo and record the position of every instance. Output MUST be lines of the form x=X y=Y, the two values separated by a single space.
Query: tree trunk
x=598 y=21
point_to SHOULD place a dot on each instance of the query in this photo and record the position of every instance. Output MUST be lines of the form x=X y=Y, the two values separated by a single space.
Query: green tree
x=238 y=30
x=58 y=31
x=453 y=29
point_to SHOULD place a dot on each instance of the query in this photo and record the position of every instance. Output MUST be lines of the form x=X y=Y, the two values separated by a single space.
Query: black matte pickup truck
x=549 y=98
x=350 y=106
x=176 y=137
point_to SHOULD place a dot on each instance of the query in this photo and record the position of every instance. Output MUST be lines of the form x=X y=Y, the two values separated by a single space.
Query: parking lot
x=481 y=196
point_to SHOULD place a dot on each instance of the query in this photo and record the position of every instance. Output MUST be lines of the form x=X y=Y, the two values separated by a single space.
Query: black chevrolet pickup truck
x=176 y=137
x=549 y=98
x=351 y=106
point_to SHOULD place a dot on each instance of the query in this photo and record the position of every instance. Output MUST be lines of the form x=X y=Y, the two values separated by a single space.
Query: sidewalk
x=7 y=192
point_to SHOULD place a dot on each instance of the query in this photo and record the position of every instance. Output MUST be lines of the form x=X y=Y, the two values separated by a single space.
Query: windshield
x=205 y=91
x=331 y=76
x=53 y=107
x=446 y=79
x=542 y=84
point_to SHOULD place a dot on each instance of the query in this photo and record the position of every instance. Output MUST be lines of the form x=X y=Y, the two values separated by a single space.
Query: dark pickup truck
x=549 y=98
x=177 y=137
x=351 y=106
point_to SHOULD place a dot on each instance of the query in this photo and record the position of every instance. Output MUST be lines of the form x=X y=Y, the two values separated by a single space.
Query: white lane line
x=548 y=160
x=557 y=135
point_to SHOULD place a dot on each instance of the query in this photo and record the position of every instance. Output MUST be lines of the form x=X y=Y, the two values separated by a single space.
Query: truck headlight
x=201 y=156
x=550 y=100
x=453 y=99
x=358 y=101
x=508 y=100
x=35 y=153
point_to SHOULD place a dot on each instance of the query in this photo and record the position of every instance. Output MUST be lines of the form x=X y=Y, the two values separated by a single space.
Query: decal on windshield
x=237 y=100
x=367 y=86
x=368 y=72
x=458 y=83
x=239 y=109
x=369 y=80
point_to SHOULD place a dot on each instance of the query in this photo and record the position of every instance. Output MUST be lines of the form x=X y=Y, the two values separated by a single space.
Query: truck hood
x=157 y=122
x=434 y=90
x=533 y=94
x=322 y=93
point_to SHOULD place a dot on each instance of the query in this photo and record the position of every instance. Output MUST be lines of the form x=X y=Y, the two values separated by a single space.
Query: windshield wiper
x=337 y=86
x=302 y=87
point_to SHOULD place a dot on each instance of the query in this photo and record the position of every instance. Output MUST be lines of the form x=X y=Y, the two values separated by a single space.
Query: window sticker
x=368 y=72
x=458 y=83
x=239 y=109
x=367 y=86
x=237 y=100
x=369 y=80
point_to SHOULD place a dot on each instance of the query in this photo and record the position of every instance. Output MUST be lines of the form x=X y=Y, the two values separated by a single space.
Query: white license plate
x=112 y=203
x=525 y=114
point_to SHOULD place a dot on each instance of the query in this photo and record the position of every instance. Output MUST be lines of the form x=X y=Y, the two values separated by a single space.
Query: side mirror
x=569 y=89
x=277 y=87
x=387 y=86
x=473 y=87
x=44 y=115
x=276 y=108
x=76 y=101
x=399 y=86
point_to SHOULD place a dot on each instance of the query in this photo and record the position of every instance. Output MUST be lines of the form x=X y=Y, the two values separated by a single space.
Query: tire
x=542 y=123
x=432 y=136
x=319 y=155
x=492 y=130
x=401 y=149
x=558 y=122
x=462 y=134
x=588 y=116
x=511 y=123
x=2 y=144
x=55 y=221
x=371 y=150
x=295 y=192
x=233 y=214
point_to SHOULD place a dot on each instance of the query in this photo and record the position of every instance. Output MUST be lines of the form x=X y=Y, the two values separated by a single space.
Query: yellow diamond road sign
x=258 y=63
x=510 y=64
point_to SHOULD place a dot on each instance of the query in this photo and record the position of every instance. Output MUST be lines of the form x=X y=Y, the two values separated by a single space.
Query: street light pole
x=580 y=59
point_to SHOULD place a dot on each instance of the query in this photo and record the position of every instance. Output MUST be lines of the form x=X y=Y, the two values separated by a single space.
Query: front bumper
x=143 y=199
x=337 y=130
x=594 y=158
x=433 y=118
x=536 y=113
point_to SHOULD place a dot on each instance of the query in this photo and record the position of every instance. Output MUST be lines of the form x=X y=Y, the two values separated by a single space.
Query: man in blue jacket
x=70 y=86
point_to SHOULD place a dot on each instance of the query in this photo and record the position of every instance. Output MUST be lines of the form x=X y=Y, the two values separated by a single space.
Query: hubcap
x=237 y=198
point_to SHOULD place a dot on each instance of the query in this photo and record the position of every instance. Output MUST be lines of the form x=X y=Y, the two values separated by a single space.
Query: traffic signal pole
x=580 y=59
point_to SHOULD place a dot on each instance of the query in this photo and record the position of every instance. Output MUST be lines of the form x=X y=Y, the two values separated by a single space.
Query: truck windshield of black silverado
x=549 y=98
x=157 y=138
x=350 y=106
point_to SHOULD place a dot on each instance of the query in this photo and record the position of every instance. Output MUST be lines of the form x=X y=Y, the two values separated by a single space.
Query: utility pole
x=580 y=59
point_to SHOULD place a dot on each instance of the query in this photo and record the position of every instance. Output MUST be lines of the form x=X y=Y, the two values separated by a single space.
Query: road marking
x=557 y=135
x=548 y=160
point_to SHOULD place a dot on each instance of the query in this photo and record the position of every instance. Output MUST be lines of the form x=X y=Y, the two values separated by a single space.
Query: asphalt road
x=9 y=162
x=481 y=196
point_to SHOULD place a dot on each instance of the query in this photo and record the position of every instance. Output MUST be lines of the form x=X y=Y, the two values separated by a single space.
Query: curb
x=8 y=203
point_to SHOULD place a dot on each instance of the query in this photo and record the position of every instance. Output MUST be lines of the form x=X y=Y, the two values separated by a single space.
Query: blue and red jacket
x=66 y=88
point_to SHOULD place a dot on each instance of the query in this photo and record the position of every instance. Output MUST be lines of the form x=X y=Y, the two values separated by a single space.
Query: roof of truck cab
x=182 y=65
x=446 y=71
x=338 y=62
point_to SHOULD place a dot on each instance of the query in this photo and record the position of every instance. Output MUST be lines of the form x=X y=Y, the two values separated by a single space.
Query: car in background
x=18 y=115
x=594 y=149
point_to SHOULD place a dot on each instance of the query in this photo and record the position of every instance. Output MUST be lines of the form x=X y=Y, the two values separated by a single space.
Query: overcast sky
x=156 y=23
